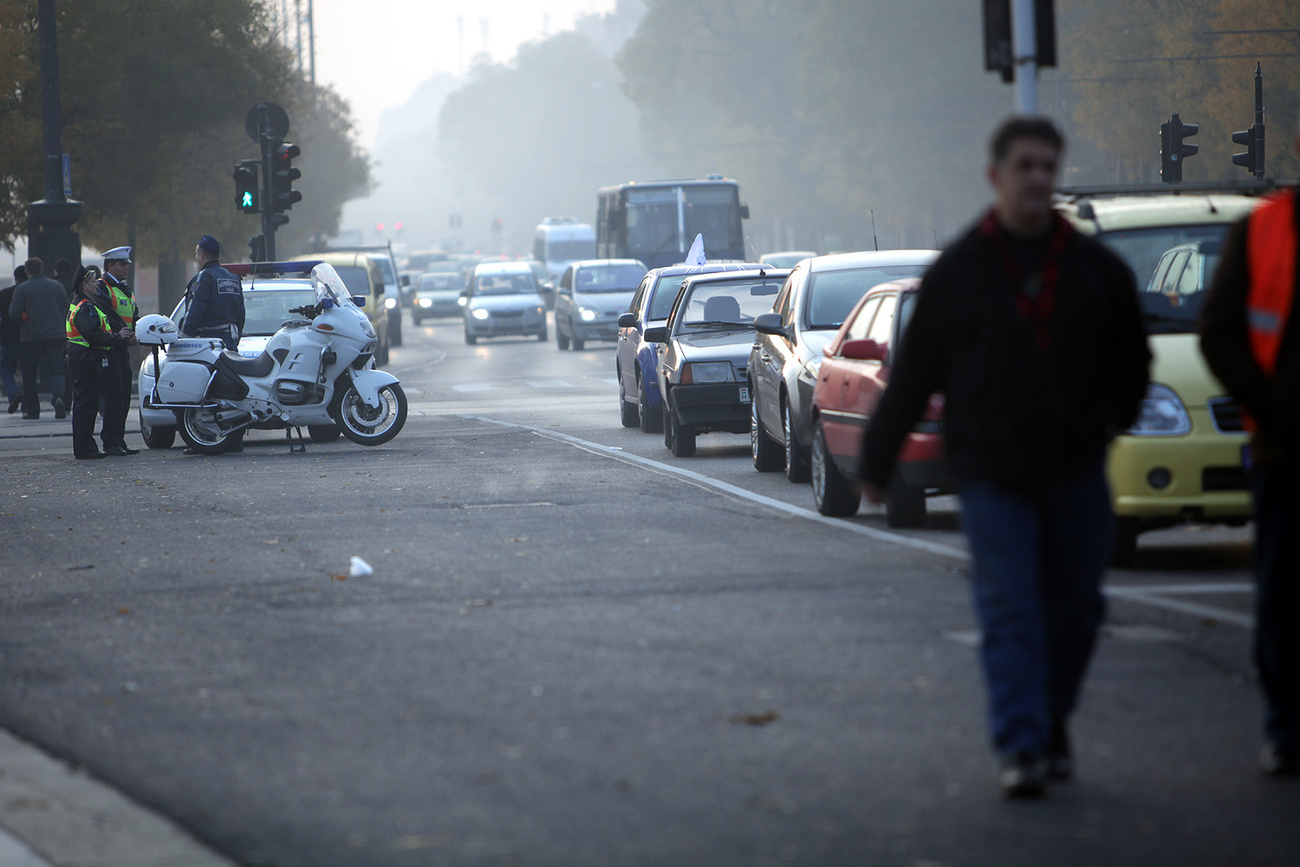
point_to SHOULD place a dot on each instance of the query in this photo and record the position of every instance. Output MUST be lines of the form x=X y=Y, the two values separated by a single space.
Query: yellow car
x=362 y=276
x=1183 y=460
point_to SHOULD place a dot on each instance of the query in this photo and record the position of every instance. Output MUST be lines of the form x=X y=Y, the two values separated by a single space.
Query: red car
x=849 y=386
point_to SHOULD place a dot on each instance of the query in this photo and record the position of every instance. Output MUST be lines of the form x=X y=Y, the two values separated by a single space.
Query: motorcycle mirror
x=359 y=300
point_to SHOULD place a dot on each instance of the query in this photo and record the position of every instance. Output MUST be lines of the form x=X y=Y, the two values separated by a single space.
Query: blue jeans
x=1277 y=602
x=1038 y=559
x=9 y=358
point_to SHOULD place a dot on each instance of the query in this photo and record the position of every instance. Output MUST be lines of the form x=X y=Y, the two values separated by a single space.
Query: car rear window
x=832 y=294
x=1173 y=304
x=609 y=278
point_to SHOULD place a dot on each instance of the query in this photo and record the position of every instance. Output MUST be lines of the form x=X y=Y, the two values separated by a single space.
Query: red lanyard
x=1036 y=309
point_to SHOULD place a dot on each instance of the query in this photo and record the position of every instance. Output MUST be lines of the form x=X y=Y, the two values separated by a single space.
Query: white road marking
x=481 y=387
x=1149 y=595
x=550 y=383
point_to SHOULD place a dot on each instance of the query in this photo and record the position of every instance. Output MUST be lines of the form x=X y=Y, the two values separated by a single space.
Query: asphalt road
x=574 y=649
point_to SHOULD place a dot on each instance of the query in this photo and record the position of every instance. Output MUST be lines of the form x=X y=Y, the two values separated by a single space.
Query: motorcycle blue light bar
x=268 y=269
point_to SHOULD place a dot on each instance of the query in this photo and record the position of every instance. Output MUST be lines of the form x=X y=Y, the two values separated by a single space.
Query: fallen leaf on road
x=754 y=719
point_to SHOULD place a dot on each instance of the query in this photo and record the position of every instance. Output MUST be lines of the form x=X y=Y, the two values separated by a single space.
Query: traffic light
x=1253 y=158
x=1174 y=148
x=247 y=190
x=283 y=174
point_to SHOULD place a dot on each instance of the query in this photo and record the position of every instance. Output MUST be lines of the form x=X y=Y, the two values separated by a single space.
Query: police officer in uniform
x=118 y=301
x=90 y=339
x=216 y=298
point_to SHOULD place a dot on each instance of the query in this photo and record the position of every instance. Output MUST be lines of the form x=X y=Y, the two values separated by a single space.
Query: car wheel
x=1125 y=541
x=324 y=433
x=541 y=335
x=470 y=339
x=904 y=505
x=627 y=412
x=560 y=340
x=579 y=345
x=796 y=456
x=395 y=332
x=761 y=448
x=156 y=438
x=651 y=422
x=833 y=494
x=381 y=357
x=679 y=438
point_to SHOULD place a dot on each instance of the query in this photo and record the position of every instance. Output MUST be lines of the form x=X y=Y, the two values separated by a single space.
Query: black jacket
x=1014 y=414
x=88 y=325
x=216 y=301
x=1274 y=402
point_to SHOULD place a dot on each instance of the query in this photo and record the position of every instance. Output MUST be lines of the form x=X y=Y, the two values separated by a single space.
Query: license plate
x=744 y=394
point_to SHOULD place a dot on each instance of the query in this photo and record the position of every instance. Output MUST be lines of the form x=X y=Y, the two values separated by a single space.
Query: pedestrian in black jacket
x=1250 y=335
x=1032 y=333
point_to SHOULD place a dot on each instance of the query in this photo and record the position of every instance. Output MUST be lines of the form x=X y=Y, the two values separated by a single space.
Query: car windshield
x=608 y=278
x=355 y=278
x=571 y=251
x=386 y=269
x=832 y=294
x=735 y=303
x=437 y=283
x=517 y=283
x=1173 y=266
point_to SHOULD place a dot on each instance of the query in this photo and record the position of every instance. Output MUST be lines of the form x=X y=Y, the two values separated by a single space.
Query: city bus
x=656 y=221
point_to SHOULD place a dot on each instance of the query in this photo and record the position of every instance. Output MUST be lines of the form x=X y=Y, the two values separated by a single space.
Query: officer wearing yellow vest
x=118 y=301
x=90 y=339
x=1250 y=335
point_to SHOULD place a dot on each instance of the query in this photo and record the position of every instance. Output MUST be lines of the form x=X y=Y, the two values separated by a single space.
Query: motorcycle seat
x=250 y=367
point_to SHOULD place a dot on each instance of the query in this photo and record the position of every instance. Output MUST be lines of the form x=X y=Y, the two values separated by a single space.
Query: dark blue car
x=636 y=363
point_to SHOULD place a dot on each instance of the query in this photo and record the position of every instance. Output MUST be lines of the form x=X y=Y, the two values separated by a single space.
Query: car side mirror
x=744 y=211
x=864 y=349
x=627 y=320
x=406 y=279
x=770 y=323
x=658 y=334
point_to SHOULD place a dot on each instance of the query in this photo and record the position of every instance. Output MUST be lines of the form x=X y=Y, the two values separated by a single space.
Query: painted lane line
x=1143 y=595
x=472 y=387
x=549 y=383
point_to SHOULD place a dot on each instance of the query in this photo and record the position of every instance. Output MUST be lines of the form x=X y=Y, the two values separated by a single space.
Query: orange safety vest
x=1271 y=244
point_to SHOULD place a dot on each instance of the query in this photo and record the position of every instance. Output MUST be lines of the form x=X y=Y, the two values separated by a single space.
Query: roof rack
x=1246 y=187
x=270 y=269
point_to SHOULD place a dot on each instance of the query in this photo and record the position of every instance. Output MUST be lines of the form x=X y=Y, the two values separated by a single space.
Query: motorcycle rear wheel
x=199 y=428
x=370 y=426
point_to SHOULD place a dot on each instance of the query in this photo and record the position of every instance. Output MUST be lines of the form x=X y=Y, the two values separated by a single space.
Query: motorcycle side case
x=183 y=381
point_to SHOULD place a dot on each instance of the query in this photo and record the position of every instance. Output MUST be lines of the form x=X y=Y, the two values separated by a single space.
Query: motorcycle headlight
x=706 y=371
x=586 y=315
x=480 y=313
x=1162 y=414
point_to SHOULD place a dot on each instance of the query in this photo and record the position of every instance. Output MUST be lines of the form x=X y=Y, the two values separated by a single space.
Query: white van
x=560 y=241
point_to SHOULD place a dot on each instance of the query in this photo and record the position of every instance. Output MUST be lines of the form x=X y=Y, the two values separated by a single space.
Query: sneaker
x=1279 y=761
x=59 y=411
x=1022 y=776
x=1060 y=762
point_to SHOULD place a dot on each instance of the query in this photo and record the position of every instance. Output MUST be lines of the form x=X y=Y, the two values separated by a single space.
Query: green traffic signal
x=246 y=188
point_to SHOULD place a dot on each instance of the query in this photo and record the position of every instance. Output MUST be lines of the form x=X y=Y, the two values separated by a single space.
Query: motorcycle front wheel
x=199 y=428
x=372 y=426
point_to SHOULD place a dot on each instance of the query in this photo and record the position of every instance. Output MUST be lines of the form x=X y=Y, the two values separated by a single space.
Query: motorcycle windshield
x=328 y=284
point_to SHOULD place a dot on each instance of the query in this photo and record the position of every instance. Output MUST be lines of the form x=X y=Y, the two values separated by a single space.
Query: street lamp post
x=49 y=221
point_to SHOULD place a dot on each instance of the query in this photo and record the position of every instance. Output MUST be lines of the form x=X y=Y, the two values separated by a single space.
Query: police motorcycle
x=316 y=370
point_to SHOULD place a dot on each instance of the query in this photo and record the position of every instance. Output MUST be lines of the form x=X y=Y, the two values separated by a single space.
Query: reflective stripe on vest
x=74 y=336
x=123 y=304
x=1271 y=252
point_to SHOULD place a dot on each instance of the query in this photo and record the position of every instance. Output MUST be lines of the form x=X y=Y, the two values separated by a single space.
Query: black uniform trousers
x=87 y=367
x=115 y=397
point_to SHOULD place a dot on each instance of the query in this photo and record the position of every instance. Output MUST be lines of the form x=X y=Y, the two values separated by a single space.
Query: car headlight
x=390 y=303
x=586 y=315
x=424 y=302
x=1162 y=414
x=480 y=313
x=706 y=371
x=462 y=301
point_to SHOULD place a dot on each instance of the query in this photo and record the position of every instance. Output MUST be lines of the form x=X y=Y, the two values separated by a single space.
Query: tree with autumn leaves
x=154 y=97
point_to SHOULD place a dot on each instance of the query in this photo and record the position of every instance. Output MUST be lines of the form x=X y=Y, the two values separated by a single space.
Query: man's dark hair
x=62 y=266
x=1024 y=126
x=35 y=267
x=20 y=274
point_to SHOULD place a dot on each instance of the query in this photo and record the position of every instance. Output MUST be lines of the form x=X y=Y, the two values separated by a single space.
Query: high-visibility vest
x=123 y=304
x=1271 y=252
x=74 y=336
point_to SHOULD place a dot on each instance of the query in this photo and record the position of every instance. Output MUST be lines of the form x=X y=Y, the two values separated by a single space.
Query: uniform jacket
x=216 y=301
x=1273 y=402
x=1016 y=413
x=87 y=323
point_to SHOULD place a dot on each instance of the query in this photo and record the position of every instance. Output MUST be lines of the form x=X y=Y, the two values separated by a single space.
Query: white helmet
x=155 y=330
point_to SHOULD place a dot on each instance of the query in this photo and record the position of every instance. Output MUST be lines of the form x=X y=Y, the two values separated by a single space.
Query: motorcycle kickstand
x=302 y=444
